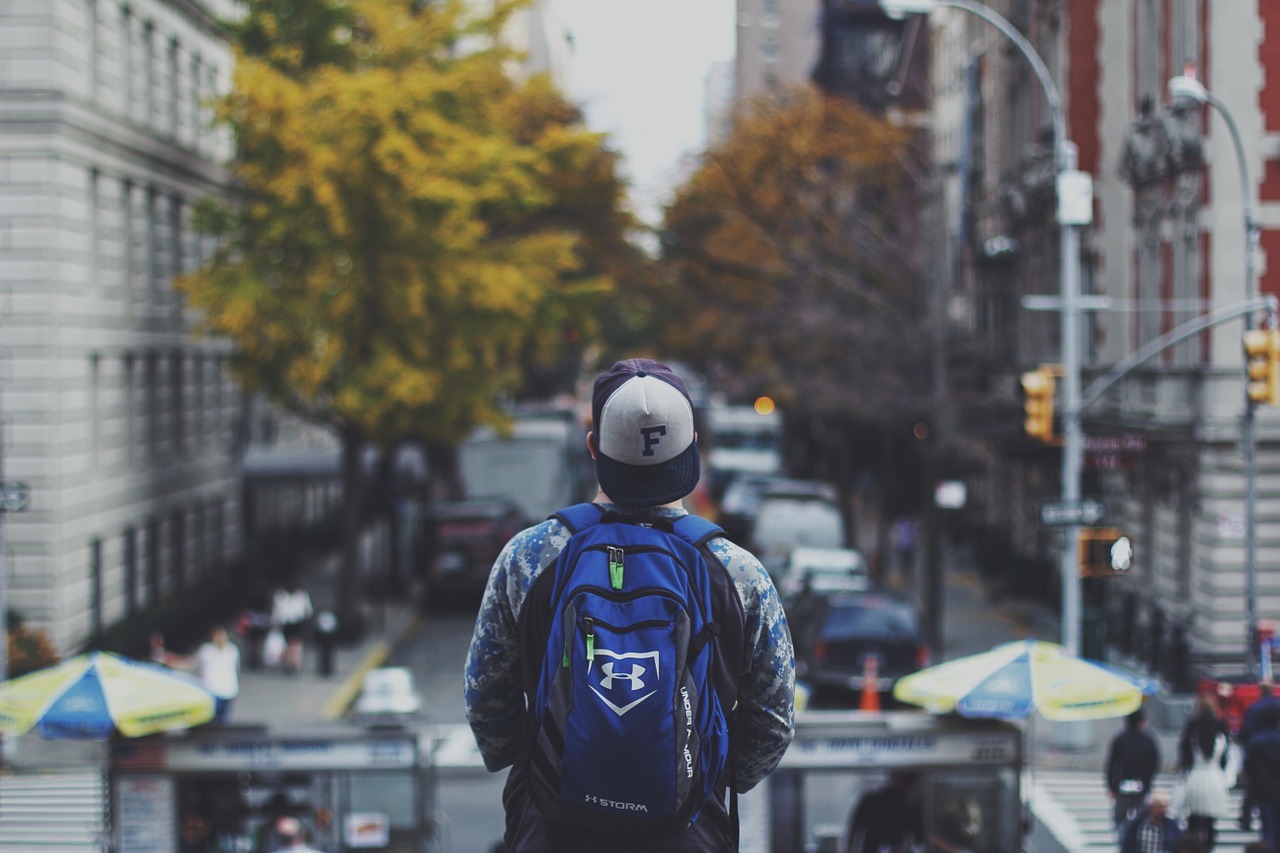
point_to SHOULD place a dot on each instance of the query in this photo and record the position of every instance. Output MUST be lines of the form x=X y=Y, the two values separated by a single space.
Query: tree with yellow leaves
x=414 y=226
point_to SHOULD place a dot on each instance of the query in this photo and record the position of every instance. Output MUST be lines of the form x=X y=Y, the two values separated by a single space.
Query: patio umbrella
x=96 y=695
x=1015 y=680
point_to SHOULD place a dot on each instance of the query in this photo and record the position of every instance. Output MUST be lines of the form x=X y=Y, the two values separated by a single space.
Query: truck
x=510 y=480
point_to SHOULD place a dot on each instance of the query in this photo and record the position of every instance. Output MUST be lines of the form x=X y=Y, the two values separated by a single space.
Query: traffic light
x=1262 y=349
x=1037 y=389
x=1104 y=552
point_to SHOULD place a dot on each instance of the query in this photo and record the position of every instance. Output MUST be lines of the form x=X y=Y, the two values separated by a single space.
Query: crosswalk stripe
x=1074 y=807
x=52 y=812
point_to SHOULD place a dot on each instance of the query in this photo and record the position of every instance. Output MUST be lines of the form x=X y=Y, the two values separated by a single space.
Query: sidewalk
x=270 y=696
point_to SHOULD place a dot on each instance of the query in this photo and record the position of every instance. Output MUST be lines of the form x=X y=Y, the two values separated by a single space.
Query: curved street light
x=1183 y=88
x=1075 y=209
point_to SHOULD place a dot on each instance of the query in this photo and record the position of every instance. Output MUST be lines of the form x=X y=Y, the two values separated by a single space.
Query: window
x=195 y=100
x=171 y=89
x=126 y=60
x=95 y=409
x=152 y=404
x=148 y=79
x=178 y=548
x=95 y=586
x=92 y=47
x=153 y=271
x=177 y=408
x=129 y=415
x=154 y=589
x=95 y=229
x=131 y=591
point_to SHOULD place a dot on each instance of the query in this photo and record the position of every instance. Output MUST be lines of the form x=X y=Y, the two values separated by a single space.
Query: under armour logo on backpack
x=613 y=677
x=634 y=676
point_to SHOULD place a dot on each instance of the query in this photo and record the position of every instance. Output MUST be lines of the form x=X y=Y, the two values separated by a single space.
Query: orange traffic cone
x=870 y=700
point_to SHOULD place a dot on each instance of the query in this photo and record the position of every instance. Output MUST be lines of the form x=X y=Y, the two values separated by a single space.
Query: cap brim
x=649 y=485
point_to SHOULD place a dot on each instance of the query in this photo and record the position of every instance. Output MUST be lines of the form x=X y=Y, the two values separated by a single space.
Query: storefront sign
x=311 y=754
x=900 y=750
x=144 y=813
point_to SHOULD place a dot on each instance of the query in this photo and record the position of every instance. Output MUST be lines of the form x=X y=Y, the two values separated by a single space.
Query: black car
x=841 y=636
x=462 y=540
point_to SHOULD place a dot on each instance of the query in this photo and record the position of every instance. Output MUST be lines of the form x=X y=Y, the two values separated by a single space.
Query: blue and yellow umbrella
x=96 y=695
x=1015 y=680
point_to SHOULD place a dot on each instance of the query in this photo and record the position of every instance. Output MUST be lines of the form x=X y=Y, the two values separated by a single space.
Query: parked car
x=823 y=570
x=463 y=539
x=837 y=634
x=387 y=691
x=740 y=503
x=786 y=522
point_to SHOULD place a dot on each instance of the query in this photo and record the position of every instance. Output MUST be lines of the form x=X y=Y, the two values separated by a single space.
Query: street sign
x=1072 y=513
x=13 y=497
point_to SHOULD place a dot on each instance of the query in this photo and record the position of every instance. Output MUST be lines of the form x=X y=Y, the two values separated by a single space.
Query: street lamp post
x=1075 y=209
x=1184 y=88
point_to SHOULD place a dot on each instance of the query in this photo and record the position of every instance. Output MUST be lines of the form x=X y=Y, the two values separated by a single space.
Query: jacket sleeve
x=764 y=720
x=491 y=687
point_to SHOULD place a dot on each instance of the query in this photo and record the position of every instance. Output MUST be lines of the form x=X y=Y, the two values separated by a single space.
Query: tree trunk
x=349 y=613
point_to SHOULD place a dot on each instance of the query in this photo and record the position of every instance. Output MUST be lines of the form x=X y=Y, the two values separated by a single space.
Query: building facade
x=1167 y=247
x=124 y=426
x=777 y=46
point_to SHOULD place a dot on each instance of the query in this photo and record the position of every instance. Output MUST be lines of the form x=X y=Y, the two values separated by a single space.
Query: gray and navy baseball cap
x=646 y=452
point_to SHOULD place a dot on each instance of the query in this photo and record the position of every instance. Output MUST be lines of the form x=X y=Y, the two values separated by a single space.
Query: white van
x=785 y=523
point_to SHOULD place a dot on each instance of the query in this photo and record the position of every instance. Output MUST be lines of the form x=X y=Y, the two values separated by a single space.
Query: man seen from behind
x=646 y=456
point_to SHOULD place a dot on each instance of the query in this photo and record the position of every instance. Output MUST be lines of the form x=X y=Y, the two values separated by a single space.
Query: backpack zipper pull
x=591 y=638
x=615 y=567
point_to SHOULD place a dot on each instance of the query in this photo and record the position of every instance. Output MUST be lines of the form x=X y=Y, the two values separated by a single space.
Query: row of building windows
x=170 y=404
x=140 y=238
x=153 y=561
x=155 y=80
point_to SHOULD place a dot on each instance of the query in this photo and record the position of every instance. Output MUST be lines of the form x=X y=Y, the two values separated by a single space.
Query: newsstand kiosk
x=220 y=789
x=960 y=777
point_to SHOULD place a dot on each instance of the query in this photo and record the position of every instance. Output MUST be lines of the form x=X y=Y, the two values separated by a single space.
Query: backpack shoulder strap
x=579 y=516
x=696 y=530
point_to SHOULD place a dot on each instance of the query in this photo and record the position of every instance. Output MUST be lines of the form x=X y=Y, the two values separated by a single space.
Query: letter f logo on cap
x=651 y=436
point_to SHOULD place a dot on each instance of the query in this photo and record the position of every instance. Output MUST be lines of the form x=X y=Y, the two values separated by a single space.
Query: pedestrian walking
x=1133 y=758
x=1202 y=761
x=904 y=544
x=291 y=610
x=646 y=457
x=255 y=622
x=1151 y=830
x=887 y=818
x=1258 y=717
x=1262 y=767
x=217 y=664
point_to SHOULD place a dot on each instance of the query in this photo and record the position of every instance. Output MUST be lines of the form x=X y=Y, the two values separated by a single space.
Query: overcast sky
x=640 y=70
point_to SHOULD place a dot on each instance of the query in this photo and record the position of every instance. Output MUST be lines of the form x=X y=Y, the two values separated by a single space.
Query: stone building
x=123 y=425
x=1166 y=248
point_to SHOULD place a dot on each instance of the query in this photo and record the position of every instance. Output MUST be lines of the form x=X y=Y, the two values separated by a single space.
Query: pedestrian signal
x=1104 y=552
x=1037 y=389
x=1262 y=352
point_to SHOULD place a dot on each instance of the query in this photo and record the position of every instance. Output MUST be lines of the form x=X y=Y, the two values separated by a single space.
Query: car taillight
x=922 y=656
x=820 y=651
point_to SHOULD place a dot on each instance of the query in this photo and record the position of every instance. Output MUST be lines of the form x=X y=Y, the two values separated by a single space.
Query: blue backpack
x=629 y=727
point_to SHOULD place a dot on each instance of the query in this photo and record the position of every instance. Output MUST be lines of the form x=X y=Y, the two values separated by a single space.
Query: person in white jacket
x=290 y=611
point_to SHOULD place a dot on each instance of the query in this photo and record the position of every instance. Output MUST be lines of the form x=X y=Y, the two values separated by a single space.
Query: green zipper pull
x=564 y=661
x=615 y=567
x=591 y=638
